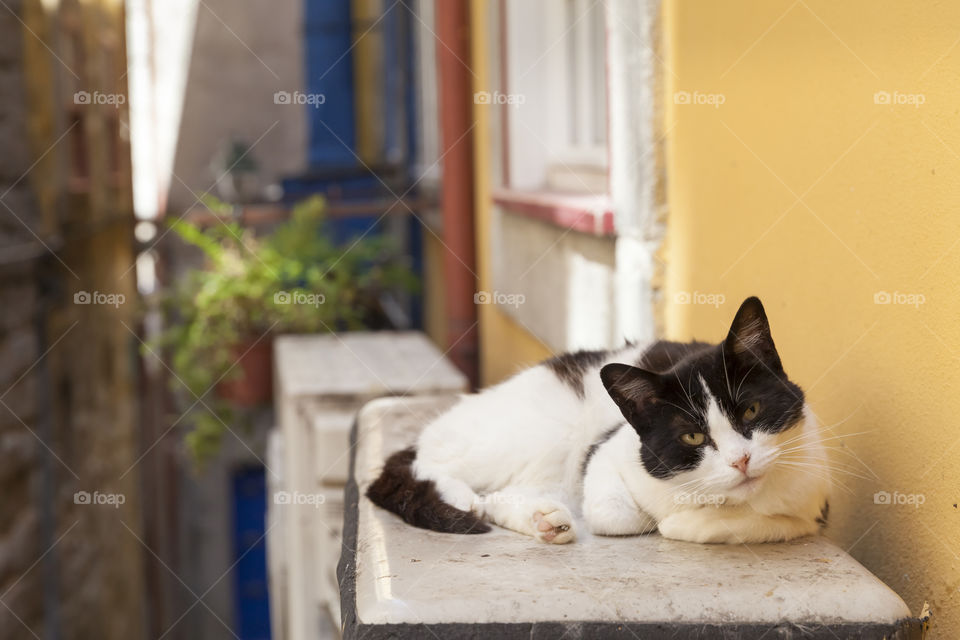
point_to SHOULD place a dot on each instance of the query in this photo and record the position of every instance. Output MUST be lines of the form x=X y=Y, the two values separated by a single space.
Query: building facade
x=71 y=541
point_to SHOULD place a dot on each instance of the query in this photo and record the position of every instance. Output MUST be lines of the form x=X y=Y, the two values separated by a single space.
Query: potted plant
x=222 y=317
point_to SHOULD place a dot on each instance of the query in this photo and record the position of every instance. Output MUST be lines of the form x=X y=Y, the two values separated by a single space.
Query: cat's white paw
x=690 y=526
x=553 y=524
x=703 y=525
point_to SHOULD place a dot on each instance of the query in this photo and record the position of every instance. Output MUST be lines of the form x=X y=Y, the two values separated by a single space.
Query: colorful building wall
x=813 y=161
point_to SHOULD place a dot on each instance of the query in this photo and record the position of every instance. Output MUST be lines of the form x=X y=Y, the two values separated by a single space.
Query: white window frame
x=558 y=132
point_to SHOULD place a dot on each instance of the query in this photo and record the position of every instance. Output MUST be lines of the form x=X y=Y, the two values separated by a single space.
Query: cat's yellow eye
x=693 y=439
x=751 y=412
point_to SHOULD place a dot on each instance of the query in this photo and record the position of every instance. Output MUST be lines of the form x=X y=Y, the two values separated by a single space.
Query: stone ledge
x=362 y=364
x=396 y=580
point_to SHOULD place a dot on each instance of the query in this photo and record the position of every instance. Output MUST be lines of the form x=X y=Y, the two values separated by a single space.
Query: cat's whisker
x=699 y=484
x=682 y=484
x=831 y=480
x=696 y=484
x=833 y=470
x=744 y=379
x=826 y=450
x=824 y=461
x=681 y=409
x=818 y=432
x=844 y=420
x=682 y=387
x=725 y=376
x=854 y=460
x=829 y=472
x=686 y=393
x=822 y=440
x=823 y=428
x=811 y=454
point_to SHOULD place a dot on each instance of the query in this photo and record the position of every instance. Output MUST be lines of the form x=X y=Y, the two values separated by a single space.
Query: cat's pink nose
x=742 y=463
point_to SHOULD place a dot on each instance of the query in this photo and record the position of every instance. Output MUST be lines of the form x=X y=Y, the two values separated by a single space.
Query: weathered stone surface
x=362 y=365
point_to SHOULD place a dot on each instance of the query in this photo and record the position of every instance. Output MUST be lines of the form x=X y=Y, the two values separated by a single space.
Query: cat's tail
x=417 y=501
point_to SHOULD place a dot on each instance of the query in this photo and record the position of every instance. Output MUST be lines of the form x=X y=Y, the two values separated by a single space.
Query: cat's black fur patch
x=592 y=449
x=663 y=397
x=418 y=502
x=662 y=355
x=571 y=367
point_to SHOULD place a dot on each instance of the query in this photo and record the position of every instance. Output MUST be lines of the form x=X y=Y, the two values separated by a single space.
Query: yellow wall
x=434 y=310
x=505 y=346
x=880 y=212
x=368 y=78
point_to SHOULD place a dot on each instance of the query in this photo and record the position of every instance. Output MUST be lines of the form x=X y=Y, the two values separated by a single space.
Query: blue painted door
x=249 y=552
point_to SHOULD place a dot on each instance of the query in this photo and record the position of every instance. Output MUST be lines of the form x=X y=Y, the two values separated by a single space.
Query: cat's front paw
x=553 y=524
x=690 y=526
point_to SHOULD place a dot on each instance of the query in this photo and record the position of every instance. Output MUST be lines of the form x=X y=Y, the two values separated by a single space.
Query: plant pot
x=254 y=385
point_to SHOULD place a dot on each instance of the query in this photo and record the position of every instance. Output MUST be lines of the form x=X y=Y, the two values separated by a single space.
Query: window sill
x=584 y=213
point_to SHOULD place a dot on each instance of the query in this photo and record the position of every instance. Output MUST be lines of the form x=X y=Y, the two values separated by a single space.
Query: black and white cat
x=707 y=443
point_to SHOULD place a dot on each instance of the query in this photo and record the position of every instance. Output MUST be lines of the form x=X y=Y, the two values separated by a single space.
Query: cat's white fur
x=513 y=454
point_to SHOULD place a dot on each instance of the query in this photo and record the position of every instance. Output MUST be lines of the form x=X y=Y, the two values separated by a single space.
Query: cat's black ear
x=630 y=387
x=749 y=338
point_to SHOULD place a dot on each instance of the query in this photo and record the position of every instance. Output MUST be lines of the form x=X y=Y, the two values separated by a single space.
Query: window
x=555 y=101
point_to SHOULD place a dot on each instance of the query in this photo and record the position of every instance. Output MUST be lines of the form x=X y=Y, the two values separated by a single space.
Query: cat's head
x=713 y=422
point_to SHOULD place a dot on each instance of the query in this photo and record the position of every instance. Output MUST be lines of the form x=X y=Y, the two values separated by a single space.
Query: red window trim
x=584 y=213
